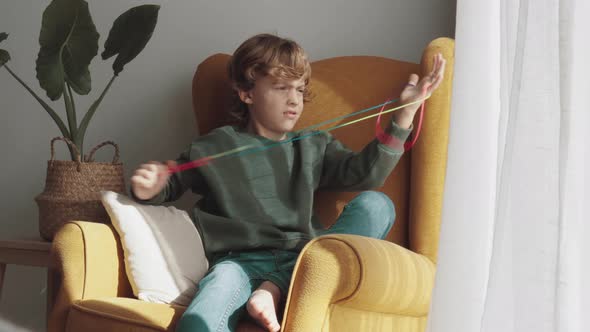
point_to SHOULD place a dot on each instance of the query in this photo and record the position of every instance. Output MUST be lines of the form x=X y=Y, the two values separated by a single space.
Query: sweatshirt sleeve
x=178 y=183
x=346 y=170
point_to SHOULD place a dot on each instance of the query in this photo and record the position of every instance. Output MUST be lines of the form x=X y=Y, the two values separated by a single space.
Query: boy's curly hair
x=262 y=55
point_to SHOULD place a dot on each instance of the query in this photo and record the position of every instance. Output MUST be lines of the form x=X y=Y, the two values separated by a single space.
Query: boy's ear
x=245 y=96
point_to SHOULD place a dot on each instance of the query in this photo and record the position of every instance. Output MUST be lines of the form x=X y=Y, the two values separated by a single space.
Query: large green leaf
x=130 y=33
x=4 y=55
x=69 y=41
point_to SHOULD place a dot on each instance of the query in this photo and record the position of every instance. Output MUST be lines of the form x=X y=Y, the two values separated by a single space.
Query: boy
x=256 y=211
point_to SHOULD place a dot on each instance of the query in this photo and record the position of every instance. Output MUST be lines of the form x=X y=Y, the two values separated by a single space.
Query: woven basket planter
x=72 y=189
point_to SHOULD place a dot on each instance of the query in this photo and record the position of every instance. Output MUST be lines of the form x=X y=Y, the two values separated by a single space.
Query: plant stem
x=79 y=139
x=50 y=111
x=73 y=103
x=81 y=148
x=70 y=114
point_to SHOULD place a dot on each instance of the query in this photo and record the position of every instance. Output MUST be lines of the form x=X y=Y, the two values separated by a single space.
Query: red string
x=409 y=145
x=191 y=164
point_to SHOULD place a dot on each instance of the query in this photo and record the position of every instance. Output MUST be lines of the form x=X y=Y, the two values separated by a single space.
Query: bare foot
x=262 y=305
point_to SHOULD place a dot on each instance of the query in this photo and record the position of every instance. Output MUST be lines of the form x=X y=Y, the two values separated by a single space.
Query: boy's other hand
x=417 y=89
x=150 y=178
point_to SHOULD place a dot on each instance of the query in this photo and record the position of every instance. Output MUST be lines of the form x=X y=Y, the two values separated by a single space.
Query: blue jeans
x=223 y=293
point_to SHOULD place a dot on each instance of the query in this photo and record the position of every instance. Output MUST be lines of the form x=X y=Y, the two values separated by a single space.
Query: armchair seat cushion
x=122 y=314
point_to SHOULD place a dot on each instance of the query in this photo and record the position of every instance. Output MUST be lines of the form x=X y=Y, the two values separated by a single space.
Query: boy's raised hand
x=150 y=178
x=417 y=89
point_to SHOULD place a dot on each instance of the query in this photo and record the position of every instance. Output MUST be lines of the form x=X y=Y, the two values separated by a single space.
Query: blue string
x=266 y=147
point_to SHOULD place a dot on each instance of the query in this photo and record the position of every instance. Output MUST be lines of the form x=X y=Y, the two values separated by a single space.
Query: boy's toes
x=264 y=316
x=270 y=322
x=275 y=326
x=261 y=306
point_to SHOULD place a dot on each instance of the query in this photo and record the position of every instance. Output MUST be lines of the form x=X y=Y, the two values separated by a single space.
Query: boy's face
x=275 y=105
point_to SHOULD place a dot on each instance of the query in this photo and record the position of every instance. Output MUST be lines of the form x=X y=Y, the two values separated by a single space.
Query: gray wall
x=148 y=110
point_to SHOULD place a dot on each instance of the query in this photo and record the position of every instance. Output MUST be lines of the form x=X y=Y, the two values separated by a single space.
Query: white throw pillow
x=164 y=256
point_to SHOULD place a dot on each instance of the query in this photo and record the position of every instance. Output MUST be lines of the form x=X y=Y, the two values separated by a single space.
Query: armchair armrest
x=359 y=273
x=89 y=258
x=429 y=157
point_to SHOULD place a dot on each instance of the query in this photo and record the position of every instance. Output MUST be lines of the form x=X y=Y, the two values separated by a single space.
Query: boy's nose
x=292 y=98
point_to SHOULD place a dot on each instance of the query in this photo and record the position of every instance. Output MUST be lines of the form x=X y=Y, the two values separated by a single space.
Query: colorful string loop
x=247 y=149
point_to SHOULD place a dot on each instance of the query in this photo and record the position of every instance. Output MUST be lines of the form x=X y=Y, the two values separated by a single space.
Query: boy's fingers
x=154 y=168
x=435 y=66
x=146 y=166
x=427 y=81
x=436 y=83
x=144 y=173
x=152 y=165
x=413 y=80
x=434 y=86
x=434 y=79
x=138 y=180
x=439 y=63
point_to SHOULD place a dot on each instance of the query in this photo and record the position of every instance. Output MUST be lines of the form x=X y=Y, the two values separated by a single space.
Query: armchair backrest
x=343 y=85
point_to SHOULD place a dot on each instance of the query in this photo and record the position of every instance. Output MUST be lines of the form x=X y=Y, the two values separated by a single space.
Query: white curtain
x=515 y=240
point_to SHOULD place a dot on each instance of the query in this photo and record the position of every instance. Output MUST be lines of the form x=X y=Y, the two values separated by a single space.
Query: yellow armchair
x=340 y=282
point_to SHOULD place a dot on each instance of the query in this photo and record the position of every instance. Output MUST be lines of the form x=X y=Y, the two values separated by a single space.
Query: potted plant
x=68 y=43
